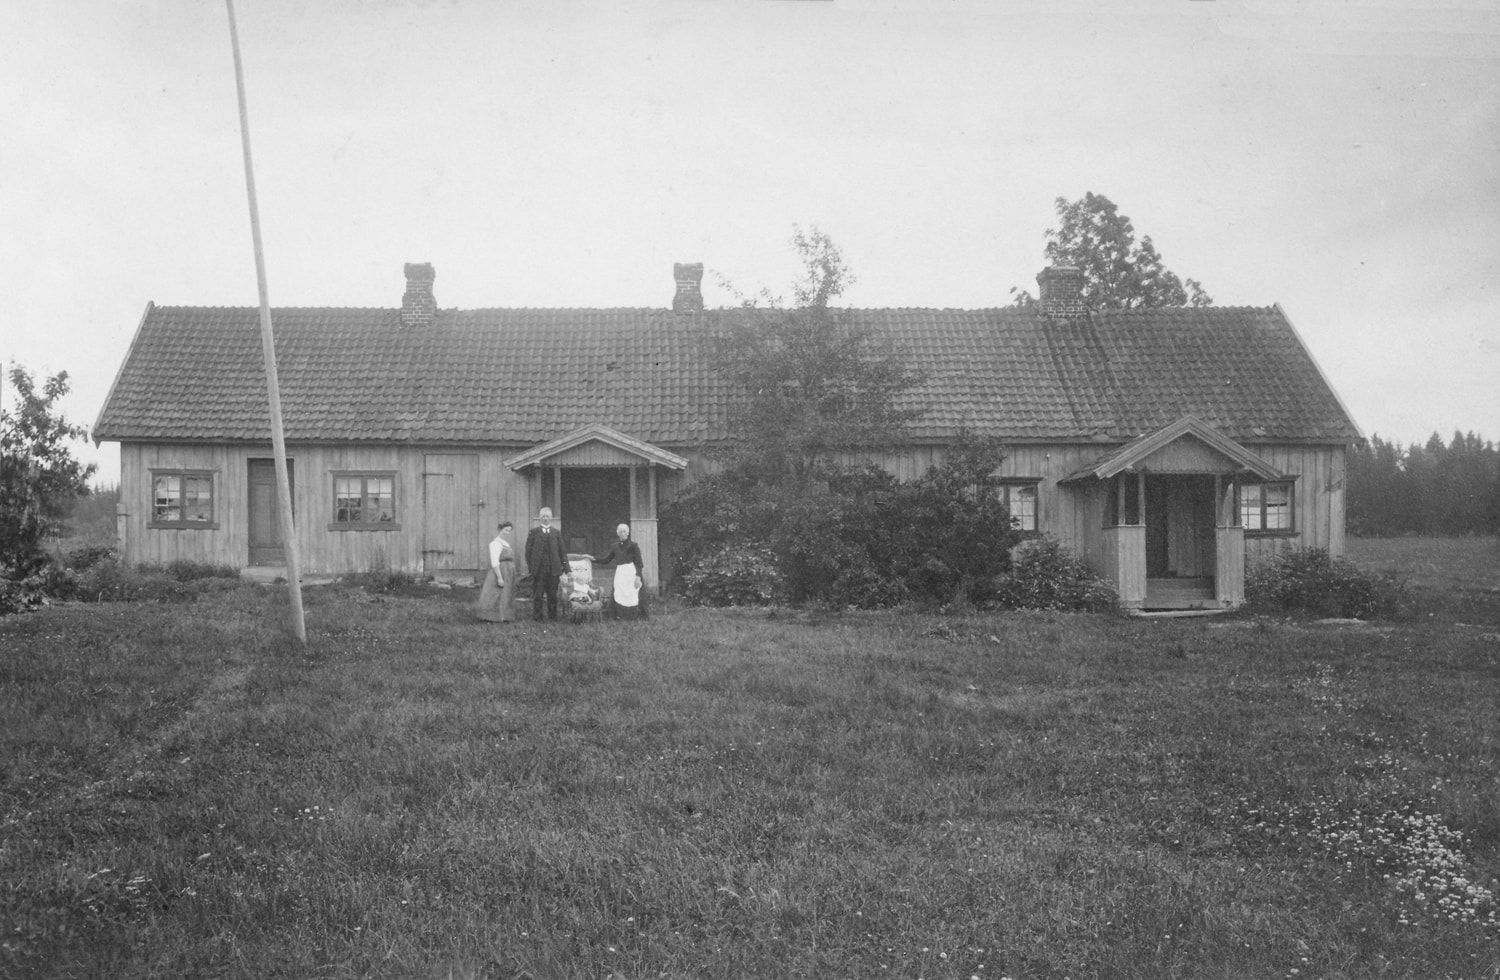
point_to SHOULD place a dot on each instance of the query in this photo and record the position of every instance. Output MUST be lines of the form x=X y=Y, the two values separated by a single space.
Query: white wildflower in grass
x=1417 y=853
x=307 y=814
x=1421 y=857
x=1322 y=689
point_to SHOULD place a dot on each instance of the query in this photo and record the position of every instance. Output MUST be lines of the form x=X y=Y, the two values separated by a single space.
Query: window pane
x=197 y=498
x=380 y=496
x=167 y=502
x=1250 y=497
x=1023 y=507
x=347 y=499
x=1278 y=498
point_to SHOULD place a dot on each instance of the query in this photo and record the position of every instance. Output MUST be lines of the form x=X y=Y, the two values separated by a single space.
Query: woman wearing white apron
x=625 y=555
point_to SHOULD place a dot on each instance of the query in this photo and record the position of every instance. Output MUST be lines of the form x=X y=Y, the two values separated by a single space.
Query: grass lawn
x=1455 y=565
x=727 y=794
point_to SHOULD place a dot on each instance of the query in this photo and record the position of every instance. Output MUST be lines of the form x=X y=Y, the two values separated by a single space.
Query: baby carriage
x=585 y=599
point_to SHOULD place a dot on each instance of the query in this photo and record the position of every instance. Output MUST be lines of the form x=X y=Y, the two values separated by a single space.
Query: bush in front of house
x=863 y=587
x=1045 y=575
x=853 y=535
x=1309 y=580
x=19 y=593
x=183 y=570
x=381 y=579
x=82 y=559
x=97 y=577
x=54 y=579
x=113 y=581
x=733 y=576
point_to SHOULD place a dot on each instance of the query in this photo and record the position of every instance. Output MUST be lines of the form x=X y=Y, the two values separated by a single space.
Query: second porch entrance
x=1180 y=558
x=1171 y=536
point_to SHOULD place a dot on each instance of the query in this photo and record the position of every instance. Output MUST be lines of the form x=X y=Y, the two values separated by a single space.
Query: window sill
x=183 y=525
x=368 y=526
x=1277 y=533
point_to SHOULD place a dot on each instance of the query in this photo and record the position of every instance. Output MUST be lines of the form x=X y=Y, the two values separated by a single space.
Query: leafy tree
x=39 y=478
x=816 y=382
x=1119 y=273
x=818 y=389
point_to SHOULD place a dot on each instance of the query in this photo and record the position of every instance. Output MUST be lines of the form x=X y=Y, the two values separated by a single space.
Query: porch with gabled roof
x=1172 y=537
x=612 y=478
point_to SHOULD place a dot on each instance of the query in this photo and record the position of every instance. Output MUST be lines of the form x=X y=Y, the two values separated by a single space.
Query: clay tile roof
x=524 y=376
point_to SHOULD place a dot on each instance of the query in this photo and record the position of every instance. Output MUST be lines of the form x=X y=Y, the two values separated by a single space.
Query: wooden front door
x=265 y=524
x=451 y=535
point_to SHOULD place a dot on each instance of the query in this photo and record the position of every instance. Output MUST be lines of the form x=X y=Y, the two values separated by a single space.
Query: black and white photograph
x=750 y=488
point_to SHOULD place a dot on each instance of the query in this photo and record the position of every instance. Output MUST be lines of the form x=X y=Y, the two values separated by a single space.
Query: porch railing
x=1229 y=565
x=1124 y=561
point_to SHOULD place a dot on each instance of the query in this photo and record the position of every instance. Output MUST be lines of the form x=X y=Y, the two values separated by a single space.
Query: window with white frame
x=1266 y=507
x=364 y=500
x=182 y=498
x=1021 y=501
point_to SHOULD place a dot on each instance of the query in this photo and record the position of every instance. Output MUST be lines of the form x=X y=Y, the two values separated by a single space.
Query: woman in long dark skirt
x=497 y=597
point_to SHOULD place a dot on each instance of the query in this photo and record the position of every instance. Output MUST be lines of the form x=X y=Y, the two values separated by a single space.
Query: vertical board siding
x=451 y=521
x=1073 y=513
x=502 y=495
x=1186 y=455
x=594 y=453
x=1317 y=500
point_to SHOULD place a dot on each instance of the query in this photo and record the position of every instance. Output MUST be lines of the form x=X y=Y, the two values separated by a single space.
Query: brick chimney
x=418 y=307
x=1061 y=292
x=689 y=277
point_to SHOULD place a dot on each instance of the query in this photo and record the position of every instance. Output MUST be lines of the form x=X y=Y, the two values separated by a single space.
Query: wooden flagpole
x=268 y=348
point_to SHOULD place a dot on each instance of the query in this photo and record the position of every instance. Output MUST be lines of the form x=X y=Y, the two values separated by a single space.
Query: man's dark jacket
x=544 y=553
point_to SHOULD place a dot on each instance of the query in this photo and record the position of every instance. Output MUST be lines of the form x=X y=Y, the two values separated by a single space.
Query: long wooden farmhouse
x=1168 y=446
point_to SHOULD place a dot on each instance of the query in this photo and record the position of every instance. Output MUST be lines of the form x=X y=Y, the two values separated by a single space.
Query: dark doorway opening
x=594 y=501
x=1179 y=526
x=1179 y=541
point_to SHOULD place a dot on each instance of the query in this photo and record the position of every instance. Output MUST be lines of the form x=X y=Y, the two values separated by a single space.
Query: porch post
x=1229 y=577
x=1124 y=559
x=1140 y=495
x=557 y=491
x=1229 y=548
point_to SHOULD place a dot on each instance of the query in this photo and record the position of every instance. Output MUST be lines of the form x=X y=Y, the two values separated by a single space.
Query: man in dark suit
x=547 y=562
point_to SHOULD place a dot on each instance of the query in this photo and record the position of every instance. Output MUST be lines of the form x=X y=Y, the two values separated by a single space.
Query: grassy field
x=1460 y=565
x=725 y=794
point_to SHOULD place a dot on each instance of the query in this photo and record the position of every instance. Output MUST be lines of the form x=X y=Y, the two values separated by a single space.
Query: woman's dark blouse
x=621 y=553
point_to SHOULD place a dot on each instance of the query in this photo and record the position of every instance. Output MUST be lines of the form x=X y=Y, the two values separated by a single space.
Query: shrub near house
x=1310 y=580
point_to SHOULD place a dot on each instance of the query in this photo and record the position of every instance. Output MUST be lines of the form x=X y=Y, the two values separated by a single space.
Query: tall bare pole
x=268 y=347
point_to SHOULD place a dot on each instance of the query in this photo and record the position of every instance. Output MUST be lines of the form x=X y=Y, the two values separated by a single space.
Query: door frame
x=263 y=552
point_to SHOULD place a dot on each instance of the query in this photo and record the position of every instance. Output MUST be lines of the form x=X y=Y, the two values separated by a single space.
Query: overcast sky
x=1338 y=158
